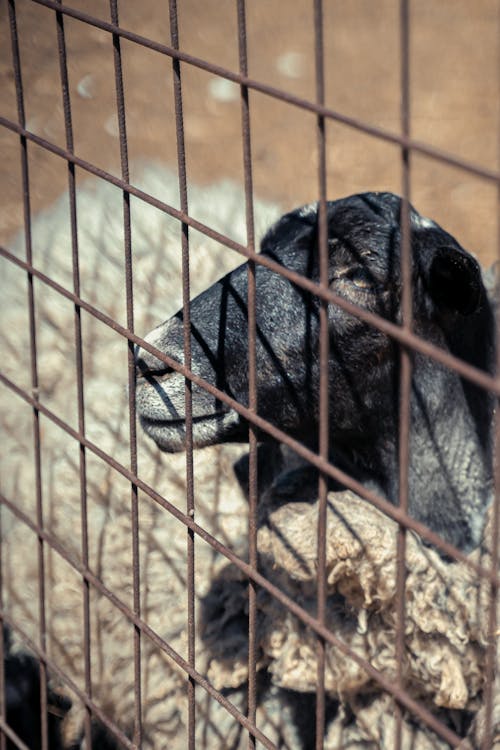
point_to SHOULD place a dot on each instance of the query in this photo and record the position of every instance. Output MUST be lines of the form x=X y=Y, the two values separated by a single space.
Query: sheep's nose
x=147 y=363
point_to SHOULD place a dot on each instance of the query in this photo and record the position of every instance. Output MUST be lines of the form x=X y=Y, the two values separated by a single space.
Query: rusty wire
x=405 y=362
x=403 y=335
x=493 y=632
x=190 y=504
x=127 y=234
x=285 y=96
x=68 y=126
x=252 y=374
x=411 y=340
x=402 y=696
x=379 y=502
x=324 y=352
x=34 y=372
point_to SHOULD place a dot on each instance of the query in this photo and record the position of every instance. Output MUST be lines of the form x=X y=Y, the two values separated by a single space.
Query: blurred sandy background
x=454 y=100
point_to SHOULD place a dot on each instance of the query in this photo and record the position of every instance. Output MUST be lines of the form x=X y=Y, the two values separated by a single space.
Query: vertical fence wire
x=190 y=502
x=323 y=373
x=405 y=362
x=3 y=704
x=486 y=741
x=252 y=375
x=16 y=60
x=492 y=680
x=129 y=296
x=68 y=125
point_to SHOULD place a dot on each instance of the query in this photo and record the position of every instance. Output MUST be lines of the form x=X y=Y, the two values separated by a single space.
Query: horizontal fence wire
x=403 y=335
x=379 y=502
x=280 y=94
x=411 y=340
x=138 y=623
x=384 y=682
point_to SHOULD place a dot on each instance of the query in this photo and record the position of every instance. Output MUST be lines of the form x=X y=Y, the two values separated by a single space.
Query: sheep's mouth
x=162 y=412
x=214 y=427
x=179 y=422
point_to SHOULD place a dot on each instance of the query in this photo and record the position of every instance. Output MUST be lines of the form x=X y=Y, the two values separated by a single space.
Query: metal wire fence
x=394 y=685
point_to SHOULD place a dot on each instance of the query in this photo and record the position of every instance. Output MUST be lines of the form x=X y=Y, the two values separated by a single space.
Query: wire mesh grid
x=144 y=635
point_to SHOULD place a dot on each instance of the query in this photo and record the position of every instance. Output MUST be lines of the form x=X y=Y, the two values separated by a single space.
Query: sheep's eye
x=360 y=278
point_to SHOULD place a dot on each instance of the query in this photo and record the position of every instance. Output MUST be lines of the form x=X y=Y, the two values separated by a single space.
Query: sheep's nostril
x=160 y=375
x=148 y=365
x=143 y=372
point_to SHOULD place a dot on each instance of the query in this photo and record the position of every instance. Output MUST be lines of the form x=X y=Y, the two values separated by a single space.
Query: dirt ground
x=454 y=52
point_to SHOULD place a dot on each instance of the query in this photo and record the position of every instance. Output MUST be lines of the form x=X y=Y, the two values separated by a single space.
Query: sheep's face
x=364 y=268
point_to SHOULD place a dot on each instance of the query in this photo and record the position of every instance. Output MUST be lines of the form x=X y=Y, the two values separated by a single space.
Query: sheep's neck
x=450 y=473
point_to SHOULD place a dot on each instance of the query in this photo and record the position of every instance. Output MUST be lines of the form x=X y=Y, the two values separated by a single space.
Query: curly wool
x=443 y=603
x=445 y=620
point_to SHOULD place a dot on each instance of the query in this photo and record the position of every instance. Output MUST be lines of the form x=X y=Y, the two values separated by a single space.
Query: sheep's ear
x=291 y=228
x=455 y=281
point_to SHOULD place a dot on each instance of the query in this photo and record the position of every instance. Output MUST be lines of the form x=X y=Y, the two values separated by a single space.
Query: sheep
x=220 y=506
x=450 y=473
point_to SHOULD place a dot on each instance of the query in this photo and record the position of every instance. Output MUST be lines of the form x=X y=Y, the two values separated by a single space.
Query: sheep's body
x=445 y=644
x=446 y=620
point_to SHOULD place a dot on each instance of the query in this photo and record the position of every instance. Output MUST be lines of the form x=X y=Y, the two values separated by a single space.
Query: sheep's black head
x=450 y=309
x=364 y=243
